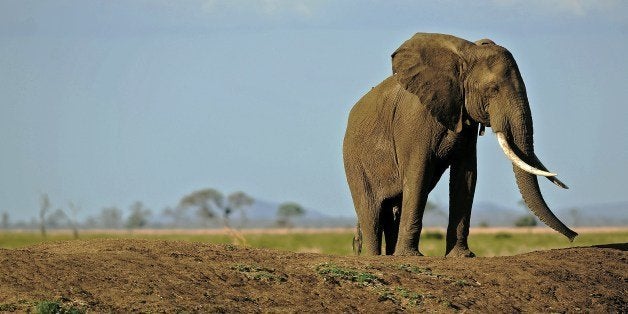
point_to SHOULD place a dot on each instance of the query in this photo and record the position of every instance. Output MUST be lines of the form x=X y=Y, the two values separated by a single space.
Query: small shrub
x=48 y=307
x=230 y=247
x=436 y=235
x=416 y=270
x=8 y=307
x=503 y=235
x=54 y=307
x=259 y=273
x=483 y=224
x=526 y=221
x=386 y=295
x=334 y=273
x=461 y=283
x=411 y=297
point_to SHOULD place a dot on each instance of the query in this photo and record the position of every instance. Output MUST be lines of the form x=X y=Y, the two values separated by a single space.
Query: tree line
x=205 y=208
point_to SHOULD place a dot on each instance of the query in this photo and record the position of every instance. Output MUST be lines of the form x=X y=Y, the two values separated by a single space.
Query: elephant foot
x=408 y=253
x=459 y=251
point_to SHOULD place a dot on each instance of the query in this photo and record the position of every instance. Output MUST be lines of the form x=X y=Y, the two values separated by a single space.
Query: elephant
x=426 y=117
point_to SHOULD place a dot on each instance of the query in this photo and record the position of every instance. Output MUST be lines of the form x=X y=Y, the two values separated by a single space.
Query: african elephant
x=404 y=133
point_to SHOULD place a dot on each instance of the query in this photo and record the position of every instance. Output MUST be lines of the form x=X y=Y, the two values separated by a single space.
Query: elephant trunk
x=519 y=123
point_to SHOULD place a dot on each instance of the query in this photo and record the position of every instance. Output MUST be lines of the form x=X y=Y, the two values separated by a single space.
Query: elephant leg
x=368 y=231
x=463 y=175
x=390 y=217
x=357 y=240
x=370 y=225
x=415 y=190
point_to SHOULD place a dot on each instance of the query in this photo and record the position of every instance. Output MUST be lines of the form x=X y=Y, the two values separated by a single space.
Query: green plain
x=339 y=243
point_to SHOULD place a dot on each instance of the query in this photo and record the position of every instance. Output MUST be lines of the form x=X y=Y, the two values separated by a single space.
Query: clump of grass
x=386 y=295
x=400 y=296
x=230 y=247
x=461 y=283
x=55 y=307
x=259 y=273
x=436 y=235
x=7 y=307
x=503 y=235
x=411 y=297
x=334 y=273
x=416 y=270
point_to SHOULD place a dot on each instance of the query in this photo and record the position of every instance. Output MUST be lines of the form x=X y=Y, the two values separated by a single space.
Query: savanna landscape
x=305 y=270
x=275 y=156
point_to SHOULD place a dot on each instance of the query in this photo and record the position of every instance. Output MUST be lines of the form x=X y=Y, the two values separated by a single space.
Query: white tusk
x=501 y=138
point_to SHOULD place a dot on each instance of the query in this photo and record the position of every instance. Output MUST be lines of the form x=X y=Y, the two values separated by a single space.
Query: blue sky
x=107 y=102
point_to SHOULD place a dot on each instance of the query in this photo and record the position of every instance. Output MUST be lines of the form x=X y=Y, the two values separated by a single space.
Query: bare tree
x=287 y=211
x=111 y=217
x=206 y=202
x=74 y=209
x=56 y=219
x=575 y=215
x=525 y=220
x=5 y=220
x=178 y=215
x=139 y=216
x=44 y=206
x=237 y=201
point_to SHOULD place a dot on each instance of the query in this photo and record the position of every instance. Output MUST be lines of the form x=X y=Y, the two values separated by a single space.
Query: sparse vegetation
x=259 y=273
x=139 y=216
x=110 y=217
x=288 y=211
x=54 y=307
x=44 y=206
x=411 y=297
x=7 y=307
x=339 y=243
x=4 y=222
x=415 y=269
x=172 y=276
x=336 y=274
x=437 y=235
x=526 y=221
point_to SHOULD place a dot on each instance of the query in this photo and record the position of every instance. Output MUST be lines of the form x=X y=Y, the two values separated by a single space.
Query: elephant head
x=462 y=82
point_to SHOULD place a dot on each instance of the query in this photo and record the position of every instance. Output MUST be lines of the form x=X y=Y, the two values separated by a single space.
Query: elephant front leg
x=463 y=176
x=415 y=192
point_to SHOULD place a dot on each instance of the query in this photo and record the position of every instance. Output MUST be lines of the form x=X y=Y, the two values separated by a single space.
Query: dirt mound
x=167 y=276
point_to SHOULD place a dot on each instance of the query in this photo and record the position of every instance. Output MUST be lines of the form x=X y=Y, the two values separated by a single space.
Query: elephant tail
x=357 y=240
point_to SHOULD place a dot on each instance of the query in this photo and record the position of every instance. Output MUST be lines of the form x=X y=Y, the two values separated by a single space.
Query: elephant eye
x=492 y=90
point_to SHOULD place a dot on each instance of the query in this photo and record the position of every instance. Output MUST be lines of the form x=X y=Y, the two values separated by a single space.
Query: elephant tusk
x=503 y=143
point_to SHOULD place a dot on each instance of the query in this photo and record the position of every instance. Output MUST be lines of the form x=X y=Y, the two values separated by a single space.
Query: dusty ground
x=167 y=276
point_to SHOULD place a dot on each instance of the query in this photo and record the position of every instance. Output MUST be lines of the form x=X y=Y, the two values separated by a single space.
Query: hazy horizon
x=106 y=103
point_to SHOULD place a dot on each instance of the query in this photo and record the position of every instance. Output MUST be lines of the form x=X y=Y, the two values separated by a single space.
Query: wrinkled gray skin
x=404 y=133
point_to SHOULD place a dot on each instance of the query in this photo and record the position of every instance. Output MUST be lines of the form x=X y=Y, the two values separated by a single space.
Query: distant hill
x=608 y=214
x=263 y=213
x=491 y=214
x=483 y=213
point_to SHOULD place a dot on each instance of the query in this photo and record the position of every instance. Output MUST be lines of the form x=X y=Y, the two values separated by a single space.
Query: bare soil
x=170 y=276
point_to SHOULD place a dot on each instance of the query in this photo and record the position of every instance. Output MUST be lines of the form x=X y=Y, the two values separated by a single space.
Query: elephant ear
x=429 y=67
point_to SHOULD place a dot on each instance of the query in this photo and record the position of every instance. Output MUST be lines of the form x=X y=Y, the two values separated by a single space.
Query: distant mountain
x=260 y=214
x=263 y=209
x=263 y=213
x=608 y=214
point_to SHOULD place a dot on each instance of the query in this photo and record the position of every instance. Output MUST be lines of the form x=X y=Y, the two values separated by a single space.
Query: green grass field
x=504 y=242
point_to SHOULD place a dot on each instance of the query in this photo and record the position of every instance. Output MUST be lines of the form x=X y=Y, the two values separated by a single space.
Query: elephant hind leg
x=368 y=212
x=390 y=217
x=371 y=230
